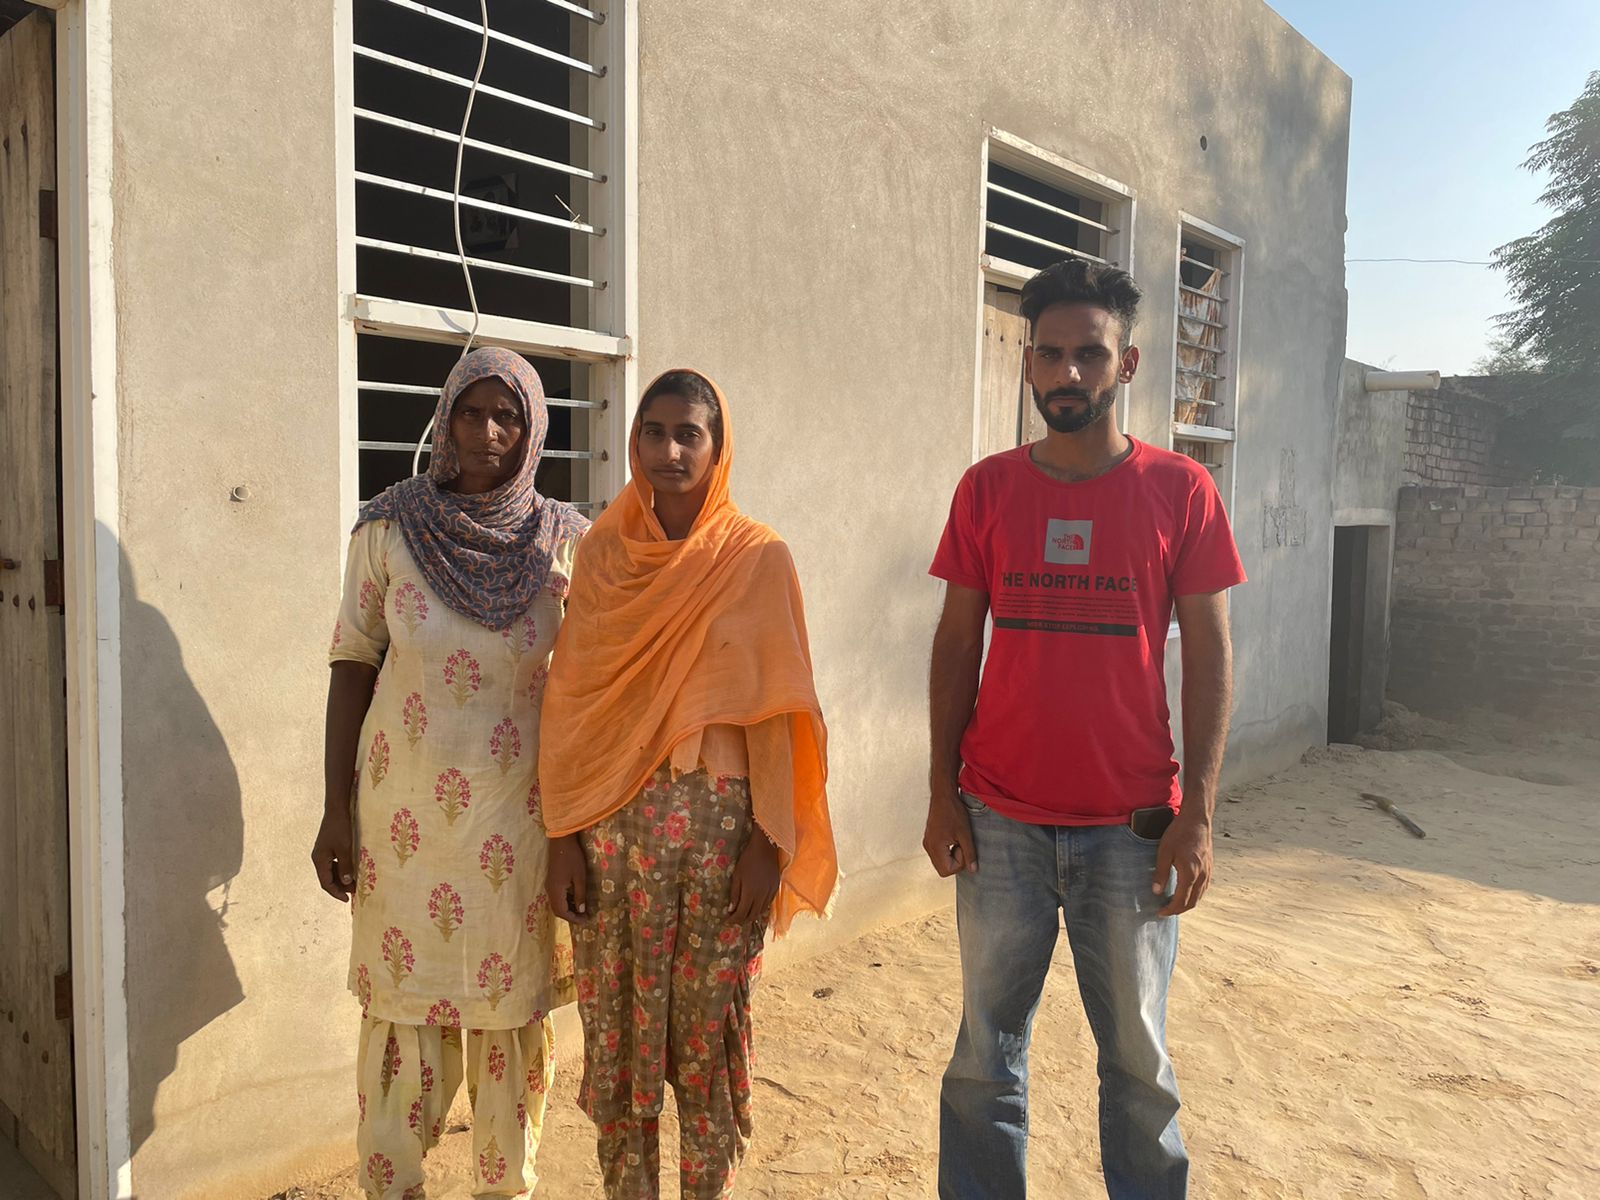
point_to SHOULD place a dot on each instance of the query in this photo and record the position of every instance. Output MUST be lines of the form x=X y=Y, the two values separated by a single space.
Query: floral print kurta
x=451 y=923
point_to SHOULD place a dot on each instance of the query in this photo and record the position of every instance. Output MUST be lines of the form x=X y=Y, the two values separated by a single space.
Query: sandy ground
x=1357 y=1013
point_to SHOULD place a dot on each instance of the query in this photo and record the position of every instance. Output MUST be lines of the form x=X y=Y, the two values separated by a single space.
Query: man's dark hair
x=1076 y=281
x=692 y=387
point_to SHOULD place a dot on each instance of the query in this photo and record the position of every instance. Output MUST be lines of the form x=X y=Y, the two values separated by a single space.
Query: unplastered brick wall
x=1497 y=601
x=1450 y=441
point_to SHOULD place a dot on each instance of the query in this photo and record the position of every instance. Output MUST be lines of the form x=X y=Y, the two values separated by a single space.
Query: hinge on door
x=64 y=996
x=53 y=596
x=47 y=214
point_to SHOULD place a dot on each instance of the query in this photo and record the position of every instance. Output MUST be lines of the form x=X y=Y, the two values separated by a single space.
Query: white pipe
x=509 y=210
x=1401 y=381
x=405 y=64
x=488 y=264
x=367 y=114
x=495 y=34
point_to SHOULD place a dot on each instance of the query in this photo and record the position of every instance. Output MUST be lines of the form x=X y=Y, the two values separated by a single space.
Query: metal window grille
x=1035 y=224
x=535 y=210
x=529 y=193
x=1210 y=455
x=1201 y=409
x=1202 y=336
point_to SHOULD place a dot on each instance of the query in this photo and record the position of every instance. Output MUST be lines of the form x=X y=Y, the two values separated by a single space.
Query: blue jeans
x=1099 y=876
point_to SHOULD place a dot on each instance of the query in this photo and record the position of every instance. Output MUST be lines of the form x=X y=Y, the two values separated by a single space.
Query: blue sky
x=1448 y=97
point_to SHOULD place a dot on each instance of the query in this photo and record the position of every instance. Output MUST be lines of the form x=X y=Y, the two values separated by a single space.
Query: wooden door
x=1005 y=403
x=36 y=1103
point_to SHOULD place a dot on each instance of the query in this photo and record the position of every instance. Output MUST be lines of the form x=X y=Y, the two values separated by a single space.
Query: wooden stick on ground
x=1387 y=806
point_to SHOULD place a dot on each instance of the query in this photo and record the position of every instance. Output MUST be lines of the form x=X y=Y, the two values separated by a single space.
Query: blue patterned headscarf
x=487 y=556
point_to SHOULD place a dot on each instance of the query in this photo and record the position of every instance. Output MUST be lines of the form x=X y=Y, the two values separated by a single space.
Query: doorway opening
x=1358 y=643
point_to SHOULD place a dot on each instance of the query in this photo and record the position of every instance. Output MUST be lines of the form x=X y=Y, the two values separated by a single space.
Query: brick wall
x=1450 y=441
x=1496 y=601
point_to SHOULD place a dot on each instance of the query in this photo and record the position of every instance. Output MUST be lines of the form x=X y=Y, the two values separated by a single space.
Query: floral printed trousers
x=664 y=984
x=406 y=1077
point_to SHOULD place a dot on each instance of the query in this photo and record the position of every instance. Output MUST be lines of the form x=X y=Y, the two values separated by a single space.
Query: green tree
x=1554 y=278
x=1504 y=358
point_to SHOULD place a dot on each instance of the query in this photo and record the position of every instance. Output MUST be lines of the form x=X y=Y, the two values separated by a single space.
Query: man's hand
x=1207 y=701
x=1187 y=846
x=947 y=839
x=755 y=880
x=566 y=880
x=952 y=695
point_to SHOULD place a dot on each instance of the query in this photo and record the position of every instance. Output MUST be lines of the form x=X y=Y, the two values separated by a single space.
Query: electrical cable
x=1467 y=262
x=455 y=209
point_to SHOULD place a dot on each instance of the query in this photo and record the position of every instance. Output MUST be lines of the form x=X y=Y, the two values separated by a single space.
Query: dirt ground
x=1357 y=1012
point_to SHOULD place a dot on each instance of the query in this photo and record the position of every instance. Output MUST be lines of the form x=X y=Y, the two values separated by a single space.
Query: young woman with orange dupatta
x=684 y=790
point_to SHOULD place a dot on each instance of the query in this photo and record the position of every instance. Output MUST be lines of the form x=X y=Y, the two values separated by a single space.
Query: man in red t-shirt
x=1053 y=784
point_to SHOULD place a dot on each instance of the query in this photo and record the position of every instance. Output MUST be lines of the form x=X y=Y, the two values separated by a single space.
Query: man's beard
x=1074 y=420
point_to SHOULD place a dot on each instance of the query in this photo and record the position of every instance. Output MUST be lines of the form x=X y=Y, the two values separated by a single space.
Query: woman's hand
x=334 y=856
x=350 y=687
x=566 y=882
x=755 y=880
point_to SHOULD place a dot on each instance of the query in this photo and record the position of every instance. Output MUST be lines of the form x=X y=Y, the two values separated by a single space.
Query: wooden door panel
x=35 y=934
x=1005 y=334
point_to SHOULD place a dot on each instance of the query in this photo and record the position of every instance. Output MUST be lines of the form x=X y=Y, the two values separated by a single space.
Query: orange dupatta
x=662 y=639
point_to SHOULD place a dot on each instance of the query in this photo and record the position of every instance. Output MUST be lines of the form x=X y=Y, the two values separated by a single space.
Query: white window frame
x=1019 y=154
x=1231 y=247
x=612 y=354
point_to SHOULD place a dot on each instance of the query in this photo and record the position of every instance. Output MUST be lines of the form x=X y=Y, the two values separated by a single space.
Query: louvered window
x=1205 y=389
x=1034 y=223
x=1039 y=209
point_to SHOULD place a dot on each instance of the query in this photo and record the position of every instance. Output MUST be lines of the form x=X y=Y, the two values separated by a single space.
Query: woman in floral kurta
x=455 y=956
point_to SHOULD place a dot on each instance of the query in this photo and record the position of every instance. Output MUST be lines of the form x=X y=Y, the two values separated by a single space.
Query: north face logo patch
x=1068 y=541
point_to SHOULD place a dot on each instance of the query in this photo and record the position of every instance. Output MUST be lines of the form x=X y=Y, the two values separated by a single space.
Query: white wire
x=455 y=211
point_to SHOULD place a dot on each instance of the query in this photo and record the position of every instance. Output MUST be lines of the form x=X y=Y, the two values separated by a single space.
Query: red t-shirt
x=1072 y=725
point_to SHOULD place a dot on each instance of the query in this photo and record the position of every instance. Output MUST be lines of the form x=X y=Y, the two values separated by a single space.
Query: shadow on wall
x=184 y=845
